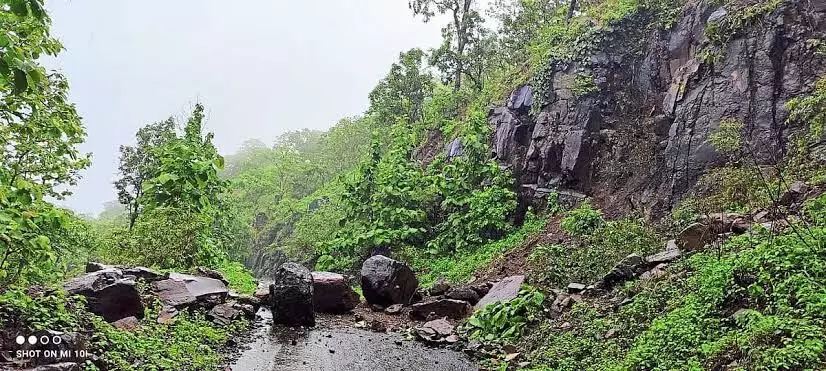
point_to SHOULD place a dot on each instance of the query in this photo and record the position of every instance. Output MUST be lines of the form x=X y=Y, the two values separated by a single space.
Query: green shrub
x=190 y=343
x=168 y=237
x=582 y=220
x=240 y=278
x=505 y=321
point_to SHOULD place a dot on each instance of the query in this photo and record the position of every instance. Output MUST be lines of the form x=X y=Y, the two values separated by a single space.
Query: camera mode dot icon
x=20 y=340
x=32 y=340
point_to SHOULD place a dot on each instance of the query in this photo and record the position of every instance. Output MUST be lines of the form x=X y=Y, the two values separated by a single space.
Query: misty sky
x=260 y=67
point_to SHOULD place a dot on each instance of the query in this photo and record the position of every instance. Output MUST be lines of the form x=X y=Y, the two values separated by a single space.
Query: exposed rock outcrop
x=639 y=137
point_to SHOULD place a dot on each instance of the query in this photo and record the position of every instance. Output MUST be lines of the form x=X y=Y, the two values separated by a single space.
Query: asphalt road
x=341 y=348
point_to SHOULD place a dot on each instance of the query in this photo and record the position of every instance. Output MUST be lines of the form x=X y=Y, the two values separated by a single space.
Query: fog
x=260 y=67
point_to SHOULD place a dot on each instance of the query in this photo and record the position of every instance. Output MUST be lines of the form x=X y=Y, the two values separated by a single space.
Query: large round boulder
x=385 y=281
x=291 y=296
x=332 y=294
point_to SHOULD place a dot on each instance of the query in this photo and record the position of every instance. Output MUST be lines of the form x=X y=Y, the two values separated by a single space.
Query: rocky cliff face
x=639 y=137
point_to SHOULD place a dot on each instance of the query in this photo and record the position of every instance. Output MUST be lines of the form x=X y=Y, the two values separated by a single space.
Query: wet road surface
x=336 y=347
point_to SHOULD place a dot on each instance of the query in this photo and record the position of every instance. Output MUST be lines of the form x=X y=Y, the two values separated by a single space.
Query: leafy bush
x=190 y=343
x=505 y=321
x=582 y=220
x=168 y=237
x=734 y=188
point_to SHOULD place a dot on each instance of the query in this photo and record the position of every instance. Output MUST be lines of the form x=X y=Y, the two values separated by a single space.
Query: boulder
x=127 y=324
x=108 y=294
x=655 y=272
x=248 y=310
x=695 y=237
x=224 y=314
x=291 y=295
x=629 y=268
x=332 y=293
x=794 y=193
x=671 y=254
x=385 y=281
x=504 y=290
x=720 y=223
x=439 y=288
x=467 y=294
x=183 y=290
x=455 y=309
x=437 y=331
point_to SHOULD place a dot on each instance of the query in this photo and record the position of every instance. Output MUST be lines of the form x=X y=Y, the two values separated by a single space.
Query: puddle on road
x=339 y=348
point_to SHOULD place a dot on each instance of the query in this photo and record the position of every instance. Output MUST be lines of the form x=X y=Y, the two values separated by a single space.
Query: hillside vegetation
x=414 y=178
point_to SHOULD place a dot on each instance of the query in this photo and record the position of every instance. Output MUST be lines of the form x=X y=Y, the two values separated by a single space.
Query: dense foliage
x=384 y=183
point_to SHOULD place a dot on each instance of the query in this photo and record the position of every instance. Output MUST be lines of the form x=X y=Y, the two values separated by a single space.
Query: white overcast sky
x=261 y=67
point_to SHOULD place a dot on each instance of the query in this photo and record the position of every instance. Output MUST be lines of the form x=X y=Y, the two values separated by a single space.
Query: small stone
x=439 y=287
x=467 y=294
x=394 y=309
x=574 y=288
x=666 y=256
x=611 y=333
x=456 y=309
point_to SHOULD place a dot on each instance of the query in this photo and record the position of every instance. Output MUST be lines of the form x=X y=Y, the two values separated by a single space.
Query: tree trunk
x=570 y=11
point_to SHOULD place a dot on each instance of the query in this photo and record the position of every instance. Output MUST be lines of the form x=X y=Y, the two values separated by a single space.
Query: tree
x=39 y=134
x=139 y=163
x=187 y=170
x=521 y=23
x=459 y=35
x=402 y=92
